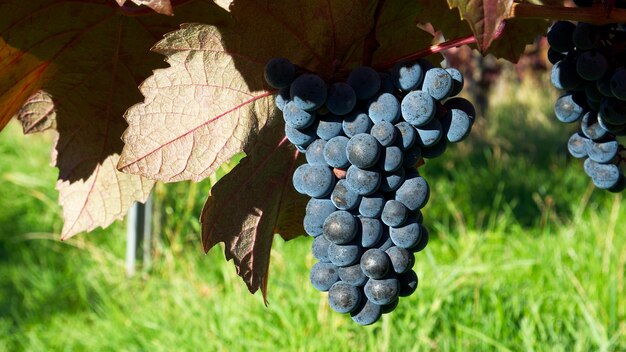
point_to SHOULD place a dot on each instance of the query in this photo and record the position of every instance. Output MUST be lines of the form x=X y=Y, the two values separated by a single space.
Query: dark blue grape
x=352 y=275
x=391 y=159
x=317 y=210
x=316 y=181
x=418 y=108
x=385 y=241
x=604 y=176
x=407 y=235
x=340 y=227
x=620 y=186
x=343 y=197
x=372 y=206
x=371 y=231
x=319 y=248
x=555 y=56
x=591 y=65
x=407 y=75
x=590 y=126
x=394 y=213
x=323 y=276
x=382 y=291
x=363 y=182
x=375 y=263
x=457 y=79
x=363 y=150
x=604 y=84
x=390 y=307
x=421 y=244
x=406 y=135
x=456 y=125
x=585 y=36
x=592 y=92
x=408 y=283
x=391 y=181
x=560 y=36
x=355 y=123
x=282 y=98
x=564 y=75
x=603 y=152
x=367 y=313
x=438 y=83
x=461 y=104
x=296 y=117
x=315 y=153
x=329 y=126
x=335 y=152
x=341 y=98
x=343 y=297
x=567 y=110
x=613 y=111
x=429 y=134
x=365 y=81
x=401 y=259
x=618 y=83
x=384 y=132
x=308 y=92
x=436 y=150
x=386 y=83
x=344 y=254
x=578 y=145
x=412 y=156
x=413 y=193
x=300 y=138
x=384 y=107
x=279 y=72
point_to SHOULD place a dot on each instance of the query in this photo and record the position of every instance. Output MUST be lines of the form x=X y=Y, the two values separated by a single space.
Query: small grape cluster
x=590 y=65
x=363 y=139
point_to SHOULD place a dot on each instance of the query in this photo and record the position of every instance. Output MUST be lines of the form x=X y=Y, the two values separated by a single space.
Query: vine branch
x=597 y=15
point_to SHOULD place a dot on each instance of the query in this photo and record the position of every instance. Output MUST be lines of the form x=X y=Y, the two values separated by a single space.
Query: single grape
x=418 y=108
x=371 y=231
x=343 y=197
x=604 y=84
x=341 y=98
x=384 y=107
x=457 y=79
x=315 y=153
x=365 y=81
x=407 y=235
x=560 y=36
x=604 y=176
x=329 y=126
x=394 y=213
x=335 y=152
x=613 y=111
x=317 y=210
x=343 y=297
x=363 y=182
x=386 y=83
x=618 y=83
x=372 y=206
x=429 y=134
x=412 y=156
x=323 y=276
x=408 y=283
x=382 y=291
x=591 y=65
x=319 y=248
x=590 y=126
x=344 y=254
x=413 y=193
x=564 y=75
x=300 y=138
x=567 y=109
x=390 y=307
x=603 y=152
x=282 y=98
x=363 y=150
x=352 y=275
x=555 y=56
x=391 y=181
x=316 y=181
x=401 y=259
x=421 y=244
x=308 y=92
x=296 y=117
x=407 y=75
x=456 y=125
x=384 y=132
x=340 y=227
x=578 y=145
x=391 y=159
x=406 y=135
x=436 y=150
x=355 y=123
x=367 y=313
x=585 y=36
x=279 y=72
x=375 y=263
x=438 y=83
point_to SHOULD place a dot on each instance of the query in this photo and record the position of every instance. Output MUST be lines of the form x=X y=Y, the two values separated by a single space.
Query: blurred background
x=525 y=254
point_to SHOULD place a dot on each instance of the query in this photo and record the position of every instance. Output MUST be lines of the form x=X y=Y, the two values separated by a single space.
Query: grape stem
x=437 y=48
x=597 y=15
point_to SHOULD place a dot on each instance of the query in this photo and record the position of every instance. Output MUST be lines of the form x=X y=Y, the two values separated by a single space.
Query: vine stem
x=437 y=48
x=595 y=15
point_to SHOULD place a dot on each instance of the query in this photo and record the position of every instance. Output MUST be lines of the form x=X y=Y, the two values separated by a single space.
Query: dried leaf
x=252 y=203
x=88 y=58
x=484 y=17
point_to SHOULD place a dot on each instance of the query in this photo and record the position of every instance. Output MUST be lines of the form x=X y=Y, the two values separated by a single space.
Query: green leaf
x=253 y=202
x=75 y=66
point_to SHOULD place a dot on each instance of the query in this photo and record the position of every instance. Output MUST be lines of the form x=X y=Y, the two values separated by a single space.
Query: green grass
x=524 y=255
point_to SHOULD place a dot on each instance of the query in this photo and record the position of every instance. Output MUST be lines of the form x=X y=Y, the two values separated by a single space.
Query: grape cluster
x=362 y=139
x=590 y=65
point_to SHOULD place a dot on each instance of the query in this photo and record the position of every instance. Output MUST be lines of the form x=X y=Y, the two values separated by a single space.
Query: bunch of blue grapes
x=363 y=139
x=590 y=66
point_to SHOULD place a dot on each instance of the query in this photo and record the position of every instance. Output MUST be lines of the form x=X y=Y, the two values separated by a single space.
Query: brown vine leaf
x=253 y=202
x=484 y=17
x=161 y=6
x=75 y=66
